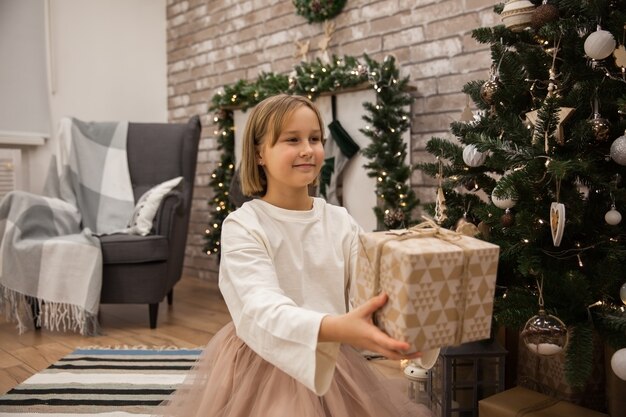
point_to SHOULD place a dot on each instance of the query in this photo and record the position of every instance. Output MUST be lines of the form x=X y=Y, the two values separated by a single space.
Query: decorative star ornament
x=564 y=114
x=303 y=50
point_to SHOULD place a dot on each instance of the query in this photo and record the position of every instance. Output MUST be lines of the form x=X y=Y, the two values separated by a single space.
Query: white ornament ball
x=618 y=364
x=622 y=293
x=600 y=44
x=517 y=14
x=613 y=217
x=473 y=157
x=503 y=202
x=618 y=150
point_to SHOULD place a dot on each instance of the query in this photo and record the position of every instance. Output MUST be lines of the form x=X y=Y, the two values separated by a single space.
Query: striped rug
x=104 y=382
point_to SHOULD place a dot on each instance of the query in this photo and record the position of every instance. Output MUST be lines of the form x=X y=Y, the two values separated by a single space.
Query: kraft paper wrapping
x=440 y=285
x=522 y=402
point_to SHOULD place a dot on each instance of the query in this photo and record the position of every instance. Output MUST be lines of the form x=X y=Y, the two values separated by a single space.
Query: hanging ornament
x=622 y=293
x=613 y=217
x=503 y=202
x=516 y=14
x=473 y=157
x=440 y=207
x=488 y=90
x=507 y=218
x=564 y=114
x=600 y=127
x=600 y=44
x=467 y=115
x=557 y=217
x=394 y=219
x=545 y=334
x=557 y=222
x=440 y=201
x=618 y=150
x=544 y=14
x=618 y=364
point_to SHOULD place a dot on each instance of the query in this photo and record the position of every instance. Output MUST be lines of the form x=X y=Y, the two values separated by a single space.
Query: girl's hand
x=357 y=329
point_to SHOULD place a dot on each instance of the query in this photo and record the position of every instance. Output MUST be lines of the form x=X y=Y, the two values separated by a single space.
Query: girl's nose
x=306 y=149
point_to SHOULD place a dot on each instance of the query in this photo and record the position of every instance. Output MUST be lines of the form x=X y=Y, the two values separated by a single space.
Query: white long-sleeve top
x=281 y=272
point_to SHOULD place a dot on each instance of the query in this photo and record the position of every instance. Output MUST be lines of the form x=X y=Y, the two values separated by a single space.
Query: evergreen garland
x=318 y=10
x=387 y=120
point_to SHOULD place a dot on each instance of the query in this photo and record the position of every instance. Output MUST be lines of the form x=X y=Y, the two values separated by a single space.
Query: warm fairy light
x=525 y=240
x=580 y=261
x=215 y=225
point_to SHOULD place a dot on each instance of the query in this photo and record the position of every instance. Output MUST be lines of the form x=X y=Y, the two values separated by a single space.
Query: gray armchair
x=144 y=269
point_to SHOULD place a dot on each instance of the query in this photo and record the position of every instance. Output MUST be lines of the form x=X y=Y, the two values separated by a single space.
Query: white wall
x=107 y=62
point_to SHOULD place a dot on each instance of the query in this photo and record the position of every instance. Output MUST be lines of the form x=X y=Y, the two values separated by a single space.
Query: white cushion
x=141 y=221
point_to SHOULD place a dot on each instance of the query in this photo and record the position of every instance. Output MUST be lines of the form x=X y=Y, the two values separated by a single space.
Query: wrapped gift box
x=522 y=402
x=440 y=285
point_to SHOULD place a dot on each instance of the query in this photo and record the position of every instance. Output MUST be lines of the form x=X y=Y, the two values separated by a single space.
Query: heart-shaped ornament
x=557 y=222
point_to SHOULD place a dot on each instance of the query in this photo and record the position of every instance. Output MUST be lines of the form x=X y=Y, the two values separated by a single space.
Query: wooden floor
x=197 y=313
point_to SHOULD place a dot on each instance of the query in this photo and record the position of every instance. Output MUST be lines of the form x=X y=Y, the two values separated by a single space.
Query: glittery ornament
x=488 y=90
x=507 y=219
x=618 y=150
x=600 y=44
x=394 y=219
x=601 y=128
x=543 y=14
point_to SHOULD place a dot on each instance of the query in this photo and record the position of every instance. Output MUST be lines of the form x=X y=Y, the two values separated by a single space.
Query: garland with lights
x=318 y=10
x=386 y=119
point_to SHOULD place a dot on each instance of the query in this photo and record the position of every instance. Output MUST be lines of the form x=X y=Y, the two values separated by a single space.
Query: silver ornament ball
x=622 y=293
x=618 y=150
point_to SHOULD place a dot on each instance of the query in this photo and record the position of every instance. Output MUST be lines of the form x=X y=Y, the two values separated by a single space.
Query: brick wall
x=212 y=43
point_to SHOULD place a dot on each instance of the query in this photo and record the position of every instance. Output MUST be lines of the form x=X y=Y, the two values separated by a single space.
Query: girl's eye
x=315 y=139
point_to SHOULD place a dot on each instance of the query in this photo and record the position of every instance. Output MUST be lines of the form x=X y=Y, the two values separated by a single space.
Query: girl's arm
x=357 y=329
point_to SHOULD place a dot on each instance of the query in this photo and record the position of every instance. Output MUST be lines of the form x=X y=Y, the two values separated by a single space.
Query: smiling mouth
x=304 y=166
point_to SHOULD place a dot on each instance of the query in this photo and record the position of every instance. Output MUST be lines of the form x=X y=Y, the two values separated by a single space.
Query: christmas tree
x=539 y=169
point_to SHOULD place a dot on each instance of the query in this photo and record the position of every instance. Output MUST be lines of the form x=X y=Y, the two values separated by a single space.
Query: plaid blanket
x=50 y=257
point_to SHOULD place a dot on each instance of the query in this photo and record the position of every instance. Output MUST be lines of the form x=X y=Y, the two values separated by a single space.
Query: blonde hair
x=266 y=121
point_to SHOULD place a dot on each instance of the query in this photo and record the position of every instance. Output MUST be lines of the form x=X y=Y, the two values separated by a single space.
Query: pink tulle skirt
x=231 y=380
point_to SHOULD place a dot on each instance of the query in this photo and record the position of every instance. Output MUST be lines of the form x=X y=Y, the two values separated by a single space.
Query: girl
x=285 y=271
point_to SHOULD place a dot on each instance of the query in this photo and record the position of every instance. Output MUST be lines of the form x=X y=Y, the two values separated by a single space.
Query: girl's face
x=297 y=157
